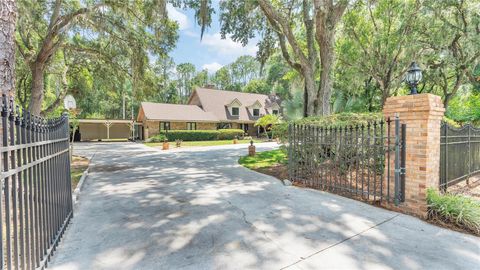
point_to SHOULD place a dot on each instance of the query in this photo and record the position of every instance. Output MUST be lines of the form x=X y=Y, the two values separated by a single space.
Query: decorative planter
x=165 y=146
x=251 y=149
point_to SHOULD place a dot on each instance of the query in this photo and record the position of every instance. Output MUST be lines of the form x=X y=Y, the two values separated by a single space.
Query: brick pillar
x=422 y=114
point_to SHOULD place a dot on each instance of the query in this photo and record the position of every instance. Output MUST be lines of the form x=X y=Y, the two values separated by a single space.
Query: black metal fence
x=36 y=199
x=459 y=154
x=362 y=161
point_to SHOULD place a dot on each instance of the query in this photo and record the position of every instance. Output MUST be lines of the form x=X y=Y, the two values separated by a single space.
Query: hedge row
x=198 y=135
x=229 y=134
x=334 y=120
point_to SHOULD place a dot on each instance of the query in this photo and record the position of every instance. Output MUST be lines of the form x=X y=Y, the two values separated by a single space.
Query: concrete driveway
x=143 y=208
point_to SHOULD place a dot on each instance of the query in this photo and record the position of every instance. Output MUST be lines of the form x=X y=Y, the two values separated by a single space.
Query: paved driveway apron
x=142 y=208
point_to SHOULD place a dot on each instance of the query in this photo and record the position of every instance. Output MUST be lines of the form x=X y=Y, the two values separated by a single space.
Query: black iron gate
x=365 y=161
x=459 y=154
x=36 y=198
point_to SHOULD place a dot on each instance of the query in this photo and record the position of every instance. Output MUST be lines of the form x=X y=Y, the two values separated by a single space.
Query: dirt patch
x=78 y=166
x=279 y=171
x=471 y=189
x=78 y=162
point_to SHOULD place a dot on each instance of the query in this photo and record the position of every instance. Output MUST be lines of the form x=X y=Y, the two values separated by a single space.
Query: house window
x=256 y=112
x=191 y=125
x=275 y=112
x=224 y=126
x=235 y=111
x=164 y=125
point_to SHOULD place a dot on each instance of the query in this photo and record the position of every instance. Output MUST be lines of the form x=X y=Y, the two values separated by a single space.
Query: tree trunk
x=36 y=98
x=446 y=100
x=327 y=15
x=8 y=16
x=326 y=65
x=309 y=77
x=305 y=101
x=385 y=87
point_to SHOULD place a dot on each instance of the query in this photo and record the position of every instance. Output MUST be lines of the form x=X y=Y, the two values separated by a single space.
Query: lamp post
x=414 y=75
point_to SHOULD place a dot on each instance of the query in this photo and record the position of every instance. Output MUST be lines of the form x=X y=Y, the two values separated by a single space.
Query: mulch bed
x=442 y=222
x=279 y=171
x=472 y=189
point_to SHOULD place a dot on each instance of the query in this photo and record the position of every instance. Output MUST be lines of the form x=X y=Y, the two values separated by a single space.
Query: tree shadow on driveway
x=198 y=209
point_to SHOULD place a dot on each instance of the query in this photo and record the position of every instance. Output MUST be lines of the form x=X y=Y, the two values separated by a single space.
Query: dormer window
x=275 y=112
x=234 y=107
x=235 y=111
x=256 y=112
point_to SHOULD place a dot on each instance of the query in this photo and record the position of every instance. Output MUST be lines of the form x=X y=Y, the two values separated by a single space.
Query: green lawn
x=264 y=159
x=203 y=143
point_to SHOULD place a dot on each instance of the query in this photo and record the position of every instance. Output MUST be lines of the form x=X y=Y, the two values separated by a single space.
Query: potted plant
x=165 y=145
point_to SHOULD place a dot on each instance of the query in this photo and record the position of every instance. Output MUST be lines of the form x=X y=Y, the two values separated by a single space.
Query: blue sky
x=211 y=52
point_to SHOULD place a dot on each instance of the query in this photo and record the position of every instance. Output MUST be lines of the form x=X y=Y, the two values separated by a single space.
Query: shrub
x=191 y=135
x=157 y=138
x=460 y=210
x=341 y=119
x=281 y=131
x=451 y=122
x=229 y=134
x=268 y=120
x=334 y=120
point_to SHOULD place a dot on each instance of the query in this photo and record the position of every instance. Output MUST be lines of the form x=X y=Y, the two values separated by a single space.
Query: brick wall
x=422 y=114
x=206 y=126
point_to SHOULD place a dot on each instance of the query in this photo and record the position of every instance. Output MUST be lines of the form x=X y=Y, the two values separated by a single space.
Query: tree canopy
x=319 y=56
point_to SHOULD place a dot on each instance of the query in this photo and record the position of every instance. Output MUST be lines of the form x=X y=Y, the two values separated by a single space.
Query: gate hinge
x=401 y=171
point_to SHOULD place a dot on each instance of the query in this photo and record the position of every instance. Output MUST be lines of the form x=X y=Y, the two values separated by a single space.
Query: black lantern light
x=414 y=75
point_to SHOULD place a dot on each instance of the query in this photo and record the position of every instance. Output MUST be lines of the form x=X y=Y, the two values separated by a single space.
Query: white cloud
x=227 y=46
x=191 y=33
x=175 y=15
x=212 y=67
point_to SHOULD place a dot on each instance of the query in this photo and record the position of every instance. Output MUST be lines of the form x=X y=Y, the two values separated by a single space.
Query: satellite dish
x=69 y=102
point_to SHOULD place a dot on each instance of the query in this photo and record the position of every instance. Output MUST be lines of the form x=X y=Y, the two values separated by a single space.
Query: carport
x=105 y=129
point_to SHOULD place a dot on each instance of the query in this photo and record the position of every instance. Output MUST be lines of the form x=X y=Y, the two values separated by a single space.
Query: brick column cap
x=415 y=103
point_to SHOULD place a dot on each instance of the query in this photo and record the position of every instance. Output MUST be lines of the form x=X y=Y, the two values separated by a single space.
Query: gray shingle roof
x=176 y=112
x=216 y=101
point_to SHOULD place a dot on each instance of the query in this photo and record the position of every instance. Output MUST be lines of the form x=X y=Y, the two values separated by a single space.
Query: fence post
x=397 y=160
x=469 y=154
x=422 y=115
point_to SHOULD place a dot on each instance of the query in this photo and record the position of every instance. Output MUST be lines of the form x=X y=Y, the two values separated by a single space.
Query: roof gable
x=234 y=103
x=256 y=105
x=217 y=101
